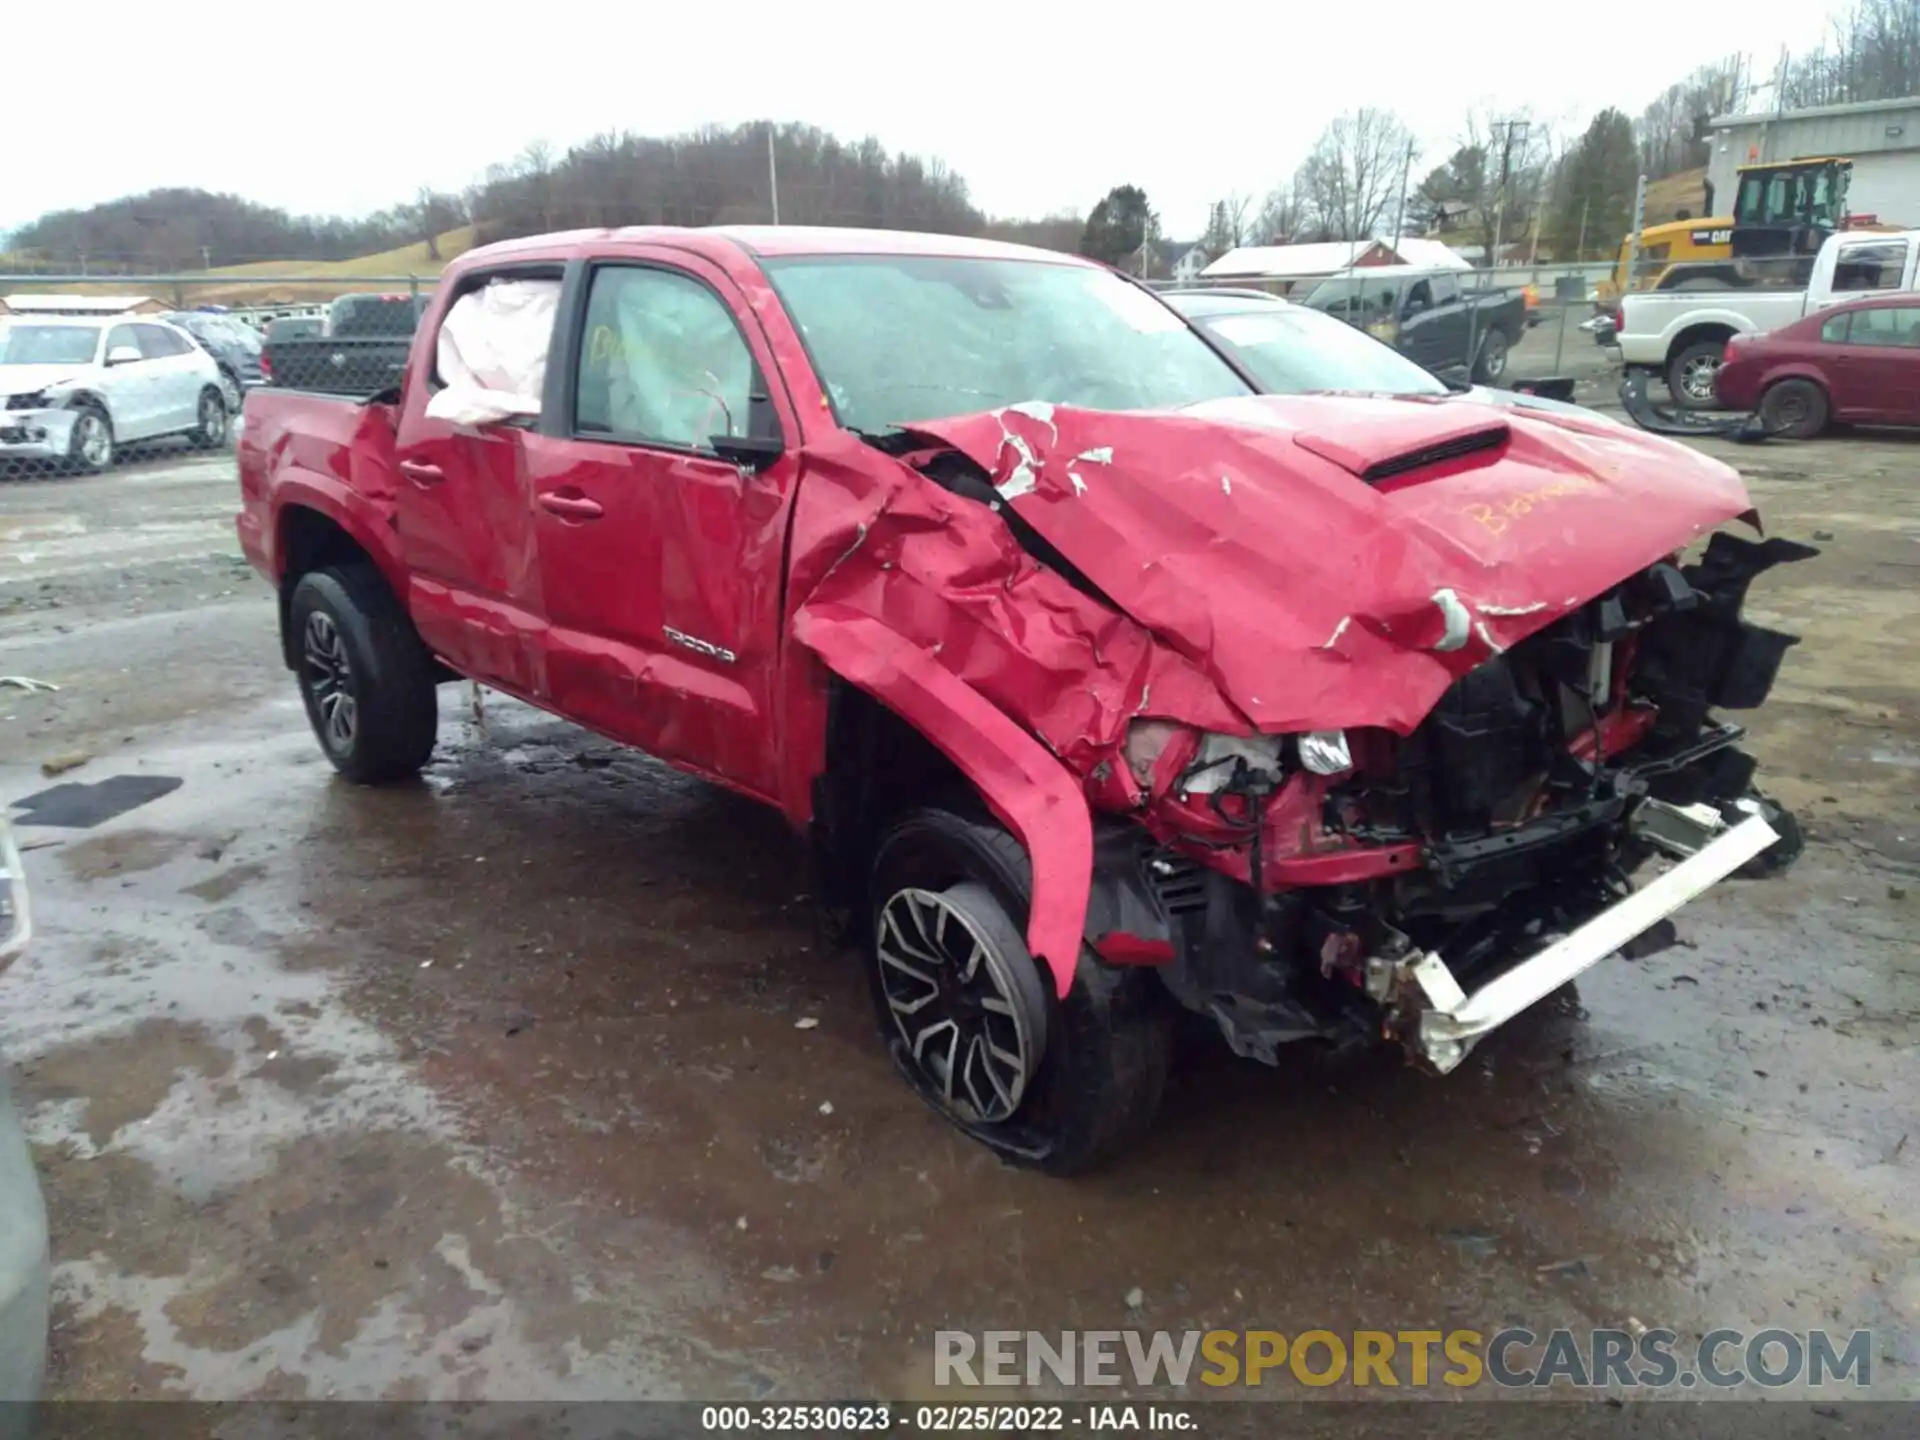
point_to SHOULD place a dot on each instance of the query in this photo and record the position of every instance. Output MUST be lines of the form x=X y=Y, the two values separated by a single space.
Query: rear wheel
x=211 y=431
x=1691 y=373
x=1491 y=364
x=365 y=677
x=1796 y=408
x=972 y=1019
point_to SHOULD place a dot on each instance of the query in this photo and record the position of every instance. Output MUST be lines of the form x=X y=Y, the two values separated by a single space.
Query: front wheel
x=1691 y=374
x=1491 y=363
x=210 y=433
x=973 y=1021
x=90 y=444
x=365 y=677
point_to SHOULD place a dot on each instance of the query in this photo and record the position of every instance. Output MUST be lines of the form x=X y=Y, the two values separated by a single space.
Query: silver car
x=73 y=390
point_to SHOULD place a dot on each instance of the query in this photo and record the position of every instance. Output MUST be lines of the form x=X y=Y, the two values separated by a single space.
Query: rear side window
x=1898 y=325
x=1870 y=266
x=660 y=361
x=1834 y=332
x=159 y=343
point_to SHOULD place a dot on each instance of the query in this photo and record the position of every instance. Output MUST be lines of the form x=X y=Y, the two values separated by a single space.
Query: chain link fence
x=98 y=374
x=95 y=376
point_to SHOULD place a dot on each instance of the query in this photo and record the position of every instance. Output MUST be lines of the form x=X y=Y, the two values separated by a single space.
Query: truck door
x=661 y=561
x=464 y=516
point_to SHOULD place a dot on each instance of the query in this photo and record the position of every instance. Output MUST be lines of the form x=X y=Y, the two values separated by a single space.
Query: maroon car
x=1857 y=364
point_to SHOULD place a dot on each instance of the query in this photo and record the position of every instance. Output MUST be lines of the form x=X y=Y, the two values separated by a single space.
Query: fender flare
x=1025 y=786
x=333 y=501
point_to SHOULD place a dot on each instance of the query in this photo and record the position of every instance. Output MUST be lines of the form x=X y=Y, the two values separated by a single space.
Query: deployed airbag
x=492 y=352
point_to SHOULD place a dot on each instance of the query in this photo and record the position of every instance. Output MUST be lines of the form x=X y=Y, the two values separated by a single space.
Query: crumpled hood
x=26 y=379
x=1244 y=535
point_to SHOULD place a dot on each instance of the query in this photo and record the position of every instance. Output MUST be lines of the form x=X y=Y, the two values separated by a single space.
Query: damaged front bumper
x=43 y=434
x=1440 y=1022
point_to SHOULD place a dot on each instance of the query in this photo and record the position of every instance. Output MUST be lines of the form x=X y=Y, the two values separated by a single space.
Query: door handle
x=571 y=507
x=422 y=473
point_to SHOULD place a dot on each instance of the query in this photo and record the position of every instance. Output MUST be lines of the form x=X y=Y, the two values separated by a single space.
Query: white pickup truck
x=1682 y=333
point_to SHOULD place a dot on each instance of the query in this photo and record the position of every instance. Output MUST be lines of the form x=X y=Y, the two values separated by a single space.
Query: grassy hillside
x=328 y=277
x=1685 y=191
x=407 y=260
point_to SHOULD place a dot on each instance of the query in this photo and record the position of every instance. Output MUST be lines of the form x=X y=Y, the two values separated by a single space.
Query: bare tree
x=1282 y=217
x=1227 y=225
x=1352 y=176
x=1872 y=53
x=1500 y=173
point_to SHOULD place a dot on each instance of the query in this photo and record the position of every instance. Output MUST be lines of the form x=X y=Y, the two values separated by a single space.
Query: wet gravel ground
x=492 y=1086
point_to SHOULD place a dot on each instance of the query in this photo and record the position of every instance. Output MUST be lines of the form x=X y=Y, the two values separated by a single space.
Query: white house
x=1189 y=264
x=1333 y=257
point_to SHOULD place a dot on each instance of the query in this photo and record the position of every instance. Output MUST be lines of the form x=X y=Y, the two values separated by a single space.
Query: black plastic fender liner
x=1661 y=420
x=1550 y=387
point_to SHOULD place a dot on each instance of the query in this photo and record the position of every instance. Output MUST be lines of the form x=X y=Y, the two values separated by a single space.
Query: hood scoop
x=1386 y=448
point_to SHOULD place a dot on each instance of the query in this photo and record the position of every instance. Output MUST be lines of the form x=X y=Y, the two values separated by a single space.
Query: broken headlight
x=1191 y=762
x=1325 y=752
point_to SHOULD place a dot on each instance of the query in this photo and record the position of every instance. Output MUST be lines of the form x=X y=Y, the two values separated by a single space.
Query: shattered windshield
x=898 y=338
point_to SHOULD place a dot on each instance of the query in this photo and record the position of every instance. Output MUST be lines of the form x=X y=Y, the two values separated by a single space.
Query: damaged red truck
x=1098 y=683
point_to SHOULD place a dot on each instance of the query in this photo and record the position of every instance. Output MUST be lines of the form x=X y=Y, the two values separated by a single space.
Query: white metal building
x=1882 y=137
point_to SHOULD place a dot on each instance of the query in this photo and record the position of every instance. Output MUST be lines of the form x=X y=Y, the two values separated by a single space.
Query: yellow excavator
x=1781 y=211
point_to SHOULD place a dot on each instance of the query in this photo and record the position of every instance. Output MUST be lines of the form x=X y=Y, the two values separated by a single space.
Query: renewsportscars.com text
x=1508 y=1358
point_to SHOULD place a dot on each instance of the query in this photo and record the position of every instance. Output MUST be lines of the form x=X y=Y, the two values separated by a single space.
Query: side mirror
x=755 y=452
x=124 y=355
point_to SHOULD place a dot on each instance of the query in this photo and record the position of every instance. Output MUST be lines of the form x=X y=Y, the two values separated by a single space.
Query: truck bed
x=333 y=447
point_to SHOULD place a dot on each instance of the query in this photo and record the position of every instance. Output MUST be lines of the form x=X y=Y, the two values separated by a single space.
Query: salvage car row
x=1115 y=655
x=1843 y=349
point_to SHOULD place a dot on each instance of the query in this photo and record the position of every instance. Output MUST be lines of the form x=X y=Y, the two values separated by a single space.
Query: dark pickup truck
x=1436 y=318
x=361 y=349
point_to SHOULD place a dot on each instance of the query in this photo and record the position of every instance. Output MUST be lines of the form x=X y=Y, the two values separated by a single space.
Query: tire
x=232 y=391
x=90 y=447
x=211 y=432
x=1097 y=1059
x=1795 y=408
x=1491 y=363
x=1690 y=374
x=365 y=678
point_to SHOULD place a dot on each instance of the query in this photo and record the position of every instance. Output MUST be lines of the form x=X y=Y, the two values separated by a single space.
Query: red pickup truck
x=1100 y=684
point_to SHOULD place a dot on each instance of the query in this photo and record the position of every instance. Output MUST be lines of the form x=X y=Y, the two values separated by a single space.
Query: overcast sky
x=348 y=107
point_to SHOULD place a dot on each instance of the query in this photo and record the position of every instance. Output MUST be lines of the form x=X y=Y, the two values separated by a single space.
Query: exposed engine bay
x=1518 y=810
x=1376 y=706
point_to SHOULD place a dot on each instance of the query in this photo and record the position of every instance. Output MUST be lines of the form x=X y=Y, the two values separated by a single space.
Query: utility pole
x=1400 y=216
x=773 y=175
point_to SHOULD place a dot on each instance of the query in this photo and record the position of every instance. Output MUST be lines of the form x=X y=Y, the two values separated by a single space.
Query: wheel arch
x=307 y=538
x=1703 y=330
x=1026 y=788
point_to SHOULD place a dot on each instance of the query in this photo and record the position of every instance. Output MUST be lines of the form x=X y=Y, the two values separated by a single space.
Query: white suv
x=73 y=390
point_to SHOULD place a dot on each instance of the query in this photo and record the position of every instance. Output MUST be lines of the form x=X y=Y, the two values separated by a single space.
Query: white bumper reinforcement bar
x=1452 y=1020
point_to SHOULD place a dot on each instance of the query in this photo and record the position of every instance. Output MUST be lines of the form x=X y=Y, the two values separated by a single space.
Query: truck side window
x=660 y=360
x=1446 y=289
x=1870 y=266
